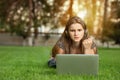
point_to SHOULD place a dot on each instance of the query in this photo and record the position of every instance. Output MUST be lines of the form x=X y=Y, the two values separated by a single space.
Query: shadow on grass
x=48 y=70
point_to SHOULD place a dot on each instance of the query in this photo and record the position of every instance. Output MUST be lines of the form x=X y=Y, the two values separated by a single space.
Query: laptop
x=77 y=64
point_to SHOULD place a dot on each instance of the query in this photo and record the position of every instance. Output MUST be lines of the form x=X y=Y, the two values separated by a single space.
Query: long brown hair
x=65 y=38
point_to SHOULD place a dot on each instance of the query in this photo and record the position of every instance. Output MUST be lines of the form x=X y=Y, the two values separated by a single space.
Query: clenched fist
x=87 y=43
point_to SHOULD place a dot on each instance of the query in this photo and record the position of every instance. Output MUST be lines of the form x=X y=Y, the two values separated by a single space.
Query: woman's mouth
x=76 y=37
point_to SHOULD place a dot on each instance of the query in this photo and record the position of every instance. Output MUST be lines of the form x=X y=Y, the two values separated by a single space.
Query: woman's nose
x=76 y=32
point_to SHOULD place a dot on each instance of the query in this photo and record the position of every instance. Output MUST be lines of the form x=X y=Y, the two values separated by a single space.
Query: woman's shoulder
x=93 y=45
x=60 y=44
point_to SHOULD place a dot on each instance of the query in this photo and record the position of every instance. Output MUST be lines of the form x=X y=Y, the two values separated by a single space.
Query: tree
x=105 y=32
x=111 y=29
x=115 y=20
x=22 y=15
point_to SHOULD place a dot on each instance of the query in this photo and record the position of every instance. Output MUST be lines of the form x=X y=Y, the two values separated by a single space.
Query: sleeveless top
x=62 y=46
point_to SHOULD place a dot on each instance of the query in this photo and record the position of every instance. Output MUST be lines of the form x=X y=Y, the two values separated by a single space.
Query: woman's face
x=76 y=32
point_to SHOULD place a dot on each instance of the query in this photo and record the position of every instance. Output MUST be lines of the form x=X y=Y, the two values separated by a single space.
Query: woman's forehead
x=76 y=25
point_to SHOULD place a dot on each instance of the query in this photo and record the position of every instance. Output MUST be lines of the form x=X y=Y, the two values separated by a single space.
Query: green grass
x=30 y=63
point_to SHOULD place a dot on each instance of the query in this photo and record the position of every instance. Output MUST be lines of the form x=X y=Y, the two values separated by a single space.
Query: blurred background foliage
x=21 y=16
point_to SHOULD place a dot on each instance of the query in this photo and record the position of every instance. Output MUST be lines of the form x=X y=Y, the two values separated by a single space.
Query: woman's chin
x=76 y=41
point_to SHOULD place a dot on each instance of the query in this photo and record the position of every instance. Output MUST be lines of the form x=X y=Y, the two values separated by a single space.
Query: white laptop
x=77 y=64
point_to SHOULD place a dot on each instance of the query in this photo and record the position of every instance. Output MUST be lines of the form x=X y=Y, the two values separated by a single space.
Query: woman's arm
x=90 y=51
x=57 y=50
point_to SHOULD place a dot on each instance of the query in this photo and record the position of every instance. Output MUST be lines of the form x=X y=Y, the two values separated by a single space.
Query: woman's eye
x=79 y=30
x=72 y=30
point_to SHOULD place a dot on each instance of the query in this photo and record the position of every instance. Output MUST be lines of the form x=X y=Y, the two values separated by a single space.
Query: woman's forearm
x=89 y=51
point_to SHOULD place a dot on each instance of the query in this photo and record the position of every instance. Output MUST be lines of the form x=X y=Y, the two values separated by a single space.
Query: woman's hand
x=87 y=44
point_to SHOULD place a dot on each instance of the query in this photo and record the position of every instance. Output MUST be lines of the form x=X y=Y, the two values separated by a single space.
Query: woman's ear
x=85 y=33
x=66 y=33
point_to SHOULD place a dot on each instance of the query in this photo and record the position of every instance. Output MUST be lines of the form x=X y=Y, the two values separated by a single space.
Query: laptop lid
x=77 y=64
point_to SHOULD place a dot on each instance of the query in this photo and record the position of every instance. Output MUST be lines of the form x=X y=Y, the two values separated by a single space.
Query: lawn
x=30 y=63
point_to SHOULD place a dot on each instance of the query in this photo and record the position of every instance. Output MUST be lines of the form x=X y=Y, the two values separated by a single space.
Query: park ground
x=30 y=63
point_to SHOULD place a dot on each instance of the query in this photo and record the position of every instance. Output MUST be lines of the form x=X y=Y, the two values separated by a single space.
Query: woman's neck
x=76 y=44
x=75 y=48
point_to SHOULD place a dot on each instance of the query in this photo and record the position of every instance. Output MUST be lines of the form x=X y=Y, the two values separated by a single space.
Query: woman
x=74 y=40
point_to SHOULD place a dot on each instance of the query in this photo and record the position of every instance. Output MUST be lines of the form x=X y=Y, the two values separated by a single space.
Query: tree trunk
x=70 y=10
x=30 y=40
x=104 y=20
